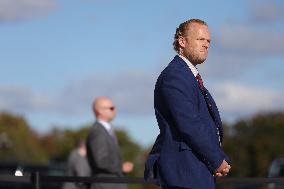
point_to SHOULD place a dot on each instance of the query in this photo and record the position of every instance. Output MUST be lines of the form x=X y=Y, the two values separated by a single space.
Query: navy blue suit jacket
x=187 y=151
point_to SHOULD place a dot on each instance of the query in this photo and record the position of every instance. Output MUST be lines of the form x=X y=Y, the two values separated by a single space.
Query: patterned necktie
x=200 y=83
x=209 y=106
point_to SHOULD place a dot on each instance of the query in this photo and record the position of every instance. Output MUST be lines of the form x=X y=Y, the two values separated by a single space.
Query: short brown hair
x=182 y=30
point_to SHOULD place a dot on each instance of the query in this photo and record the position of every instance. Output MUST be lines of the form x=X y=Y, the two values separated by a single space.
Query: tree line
x=252 y=143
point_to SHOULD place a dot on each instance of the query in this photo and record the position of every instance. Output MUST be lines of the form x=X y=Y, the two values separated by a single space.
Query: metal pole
x=35 y=180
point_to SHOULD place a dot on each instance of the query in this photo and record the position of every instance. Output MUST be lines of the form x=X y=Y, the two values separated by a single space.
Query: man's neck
x=106 y=124
x=190 y=65
x=184 y=56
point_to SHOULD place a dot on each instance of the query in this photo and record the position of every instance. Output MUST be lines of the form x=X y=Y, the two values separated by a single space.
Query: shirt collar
x=190 y=65
x=105 y=124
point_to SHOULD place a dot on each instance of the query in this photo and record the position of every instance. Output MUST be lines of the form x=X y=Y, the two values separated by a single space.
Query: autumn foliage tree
x=18 y=142
x=251 y=143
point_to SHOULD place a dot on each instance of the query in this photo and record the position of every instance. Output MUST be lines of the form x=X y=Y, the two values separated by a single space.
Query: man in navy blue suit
x=187 y=153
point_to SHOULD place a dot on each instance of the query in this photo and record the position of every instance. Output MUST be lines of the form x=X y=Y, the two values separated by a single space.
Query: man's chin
x=200 y=61
x=196 y=60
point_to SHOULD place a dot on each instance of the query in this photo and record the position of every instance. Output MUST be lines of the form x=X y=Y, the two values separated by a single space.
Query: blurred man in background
x=78 y=165
x=102 y=146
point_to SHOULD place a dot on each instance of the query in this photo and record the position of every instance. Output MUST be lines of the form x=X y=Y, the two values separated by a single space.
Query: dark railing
x=36 y=180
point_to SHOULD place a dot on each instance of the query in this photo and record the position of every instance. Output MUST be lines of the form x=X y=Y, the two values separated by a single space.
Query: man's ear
x=181 y=41
x=97 y=112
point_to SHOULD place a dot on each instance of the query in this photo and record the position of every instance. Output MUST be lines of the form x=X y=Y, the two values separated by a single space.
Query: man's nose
x=206 y=45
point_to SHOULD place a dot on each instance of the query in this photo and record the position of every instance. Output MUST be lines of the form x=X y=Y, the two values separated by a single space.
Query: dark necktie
x=209 y=106
x=113 y=135
x=200 y=83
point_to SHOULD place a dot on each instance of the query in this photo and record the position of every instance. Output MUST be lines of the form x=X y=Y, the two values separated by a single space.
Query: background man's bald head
x=100 y=102
x=103 y=108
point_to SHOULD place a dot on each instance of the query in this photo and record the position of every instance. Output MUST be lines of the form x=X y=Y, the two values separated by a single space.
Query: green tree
x=59 y=143
x=254 y=143
x=131 y=151
x=18 y=142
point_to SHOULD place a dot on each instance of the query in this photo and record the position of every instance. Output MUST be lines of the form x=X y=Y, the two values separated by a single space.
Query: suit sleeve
x=178 y=92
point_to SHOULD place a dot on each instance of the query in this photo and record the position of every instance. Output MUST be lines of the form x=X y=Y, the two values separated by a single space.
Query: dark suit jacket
x=104 y=157
x=186 y=152
x=103 y=152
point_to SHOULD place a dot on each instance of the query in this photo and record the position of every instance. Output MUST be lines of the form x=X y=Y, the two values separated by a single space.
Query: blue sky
x=57 y=55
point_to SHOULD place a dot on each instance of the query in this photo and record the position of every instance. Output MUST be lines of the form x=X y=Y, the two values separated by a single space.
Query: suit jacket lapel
x=108 y=136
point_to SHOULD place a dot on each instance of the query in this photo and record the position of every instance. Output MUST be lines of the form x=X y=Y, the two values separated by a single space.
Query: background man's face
x=106 y=109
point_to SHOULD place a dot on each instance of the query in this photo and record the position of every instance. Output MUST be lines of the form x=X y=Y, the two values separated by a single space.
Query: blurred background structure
x=57 y=55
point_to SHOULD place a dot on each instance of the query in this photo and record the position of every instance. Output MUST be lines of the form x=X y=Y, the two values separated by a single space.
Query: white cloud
x=248 y=40
x=22 y=100
x=239 y=100
x=220 y=66
x=14 y=10
x=266 y=11
x=132 y=92
x=244 y=46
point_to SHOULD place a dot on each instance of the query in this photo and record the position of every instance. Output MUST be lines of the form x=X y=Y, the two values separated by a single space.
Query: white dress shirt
x=106 y=125
x=190 y=65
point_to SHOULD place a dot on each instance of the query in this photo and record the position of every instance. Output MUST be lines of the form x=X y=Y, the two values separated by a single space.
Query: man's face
x=107 y=110
x=196 y=44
